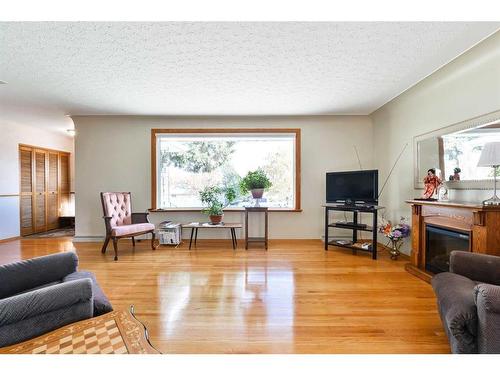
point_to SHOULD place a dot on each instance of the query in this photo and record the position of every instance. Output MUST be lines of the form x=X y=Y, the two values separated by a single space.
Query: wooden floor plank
x=294 y=298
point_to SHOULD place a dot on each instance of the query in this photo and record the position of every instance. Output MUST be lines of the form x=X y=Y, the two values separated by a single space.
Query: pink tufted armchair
x=121 y=222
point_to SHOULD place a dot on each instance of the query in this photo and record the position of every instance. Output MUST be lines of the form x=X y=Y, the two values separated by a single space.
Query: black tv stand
x=353 y=225
x=350 y=224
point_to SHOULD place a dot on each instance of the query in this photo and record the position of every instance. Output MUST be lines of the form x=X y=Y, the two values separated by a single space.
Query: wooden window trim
x=238 y=209
x=295 y=131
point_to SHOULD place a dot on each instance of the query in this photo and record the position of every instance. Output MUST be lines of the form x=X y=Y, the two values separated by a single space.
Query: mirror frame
x=463 y=125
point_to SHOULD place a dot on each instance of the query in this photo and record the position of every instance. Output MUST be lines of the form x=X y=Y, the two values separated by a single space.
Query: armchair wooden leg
x=105 y=244
x=133 y=241
x=115 y=246
x=153 y=241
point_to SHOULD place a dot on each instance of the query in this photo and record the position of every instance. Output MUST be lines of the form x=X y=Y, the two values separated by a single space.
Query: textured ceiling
x=221 y=68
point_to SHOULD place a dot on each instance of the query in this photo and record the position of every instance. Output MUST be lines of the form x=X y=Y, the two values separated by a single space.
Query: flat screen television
x=351 y=187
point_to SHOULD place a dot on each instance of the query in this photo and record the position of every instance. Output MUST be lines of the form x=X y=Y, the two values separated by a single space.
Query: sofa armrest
x=487 y=298
x=140 y=217
x=41 y=301
x=457 y=309
x=27 y=274
x=479 y=267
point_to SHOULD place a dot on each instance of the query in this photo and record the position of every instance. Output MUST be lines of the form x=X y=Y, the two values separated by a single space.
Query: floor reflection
x=239 y=304
x=14 y=251
x=177 y=287
x=269 y=298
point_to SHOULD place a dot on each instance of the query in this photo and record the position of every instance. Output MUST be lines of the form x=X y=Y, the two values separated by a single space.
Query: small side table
x=195 y=226
x=266 y=222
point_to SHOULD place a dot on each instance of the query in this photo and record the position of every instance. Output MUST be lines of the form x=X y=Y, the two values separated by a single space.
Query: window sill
x=271 y=209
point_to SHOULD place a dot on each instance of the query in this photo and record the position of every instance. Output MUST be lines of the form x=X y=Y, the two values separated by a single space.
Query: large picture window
x=186 y=161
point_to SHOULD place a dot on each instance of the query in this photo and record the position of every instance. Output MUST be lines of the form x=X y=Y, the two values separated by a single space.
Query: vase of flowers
x=396 y=234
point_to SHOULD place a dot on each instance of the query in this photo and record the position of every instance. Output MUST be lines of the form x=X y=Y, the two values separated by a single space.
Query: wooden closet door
x=64 y=182
x=26 y=190
x=40 y=201
x=53 y=190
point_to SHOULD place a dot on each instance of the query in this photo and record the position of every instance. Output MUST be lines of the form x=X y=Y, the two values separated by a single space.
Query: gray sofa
x=469 y=302
x=41 y=294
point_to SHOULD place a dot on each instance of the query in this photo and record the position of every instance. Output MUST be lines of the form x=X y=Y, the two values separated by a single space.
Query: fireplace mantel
x=481 y=223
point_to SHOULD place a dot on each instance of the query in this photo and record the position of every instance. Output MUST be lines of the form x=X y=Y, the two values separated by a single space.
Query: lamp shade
x=490 y=155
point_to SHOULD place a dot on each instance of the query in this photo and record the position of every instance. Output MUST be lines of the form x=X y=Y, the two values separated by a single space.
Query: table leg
x=326 y=228
x=355 y=232
x=232 y=238
x=246 y=230
x=191 y=238
x=374 y=238
x=235 y=239
x=266 y=229
x=195 y=236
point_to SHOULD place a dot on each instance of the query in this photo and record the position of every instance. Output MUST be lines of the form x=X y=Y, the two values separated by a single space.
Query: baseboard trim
x=415 y=271
x=10 y=239
x=186 y=237
x=88 y=238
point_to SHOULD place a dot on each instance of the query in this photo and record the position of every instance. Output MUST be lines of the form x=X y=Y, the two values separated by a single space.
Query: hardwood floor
x=295 y=298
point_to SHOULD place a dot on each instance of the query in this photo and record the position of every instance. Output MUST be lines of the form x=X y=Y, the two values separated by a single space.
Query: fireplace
x=440 y=242
x=480 y=223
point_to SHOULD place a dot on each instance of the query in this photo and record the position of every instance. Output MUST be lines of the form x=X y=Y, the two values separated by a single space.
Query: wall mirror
x=454 y=152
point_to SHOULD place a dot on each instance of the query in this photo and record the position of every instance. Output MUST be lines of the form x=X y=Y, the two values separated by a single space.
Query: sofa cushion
x=101 y=302
x=33 y=273
x=455 y=296
x=126 y=230
x=39 y=287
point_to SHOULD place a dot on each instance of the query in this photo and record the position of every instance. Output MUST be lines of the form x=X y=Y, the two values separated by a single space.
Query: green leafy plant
x=215 y=199
x=255 y=180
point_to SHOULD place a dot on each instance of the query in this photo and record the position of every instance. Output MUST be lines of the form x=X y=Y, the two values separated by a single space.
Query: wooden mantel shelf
x=449 y=203
x=482 y=223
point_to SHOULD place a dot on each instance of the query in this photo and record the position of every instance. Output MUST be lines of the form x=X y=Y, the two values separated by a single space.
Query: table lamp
x=490 y=157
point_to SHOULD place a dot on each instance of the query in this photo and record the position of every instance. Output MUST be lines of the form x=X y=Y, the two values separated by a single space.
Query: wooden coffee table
x=117 y=332
x=195 y=226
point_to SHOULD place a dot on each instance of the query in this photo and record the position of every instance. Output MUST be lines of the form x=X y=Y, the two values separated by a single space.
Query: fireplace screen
x=439 y=244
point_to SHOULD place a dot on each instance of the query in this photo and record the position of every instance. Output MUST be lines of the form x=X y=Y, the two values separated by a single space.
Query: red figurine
x=432 y=183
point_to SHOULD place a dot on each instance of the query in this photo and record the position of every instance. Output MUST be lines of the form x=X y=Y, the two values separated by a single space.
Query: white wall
x=11 y=135
x=467 y=87
x=113 y=154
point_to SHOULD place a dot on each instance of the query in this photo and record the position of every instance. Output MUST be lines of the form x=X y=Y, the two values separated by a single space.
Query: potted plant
x=214 y=200
x=255 y=182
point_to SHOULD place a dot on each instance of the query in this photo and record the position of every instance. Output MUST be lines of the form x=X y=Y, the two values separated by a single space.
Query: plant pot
x=216 y=219
x=257 y=193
